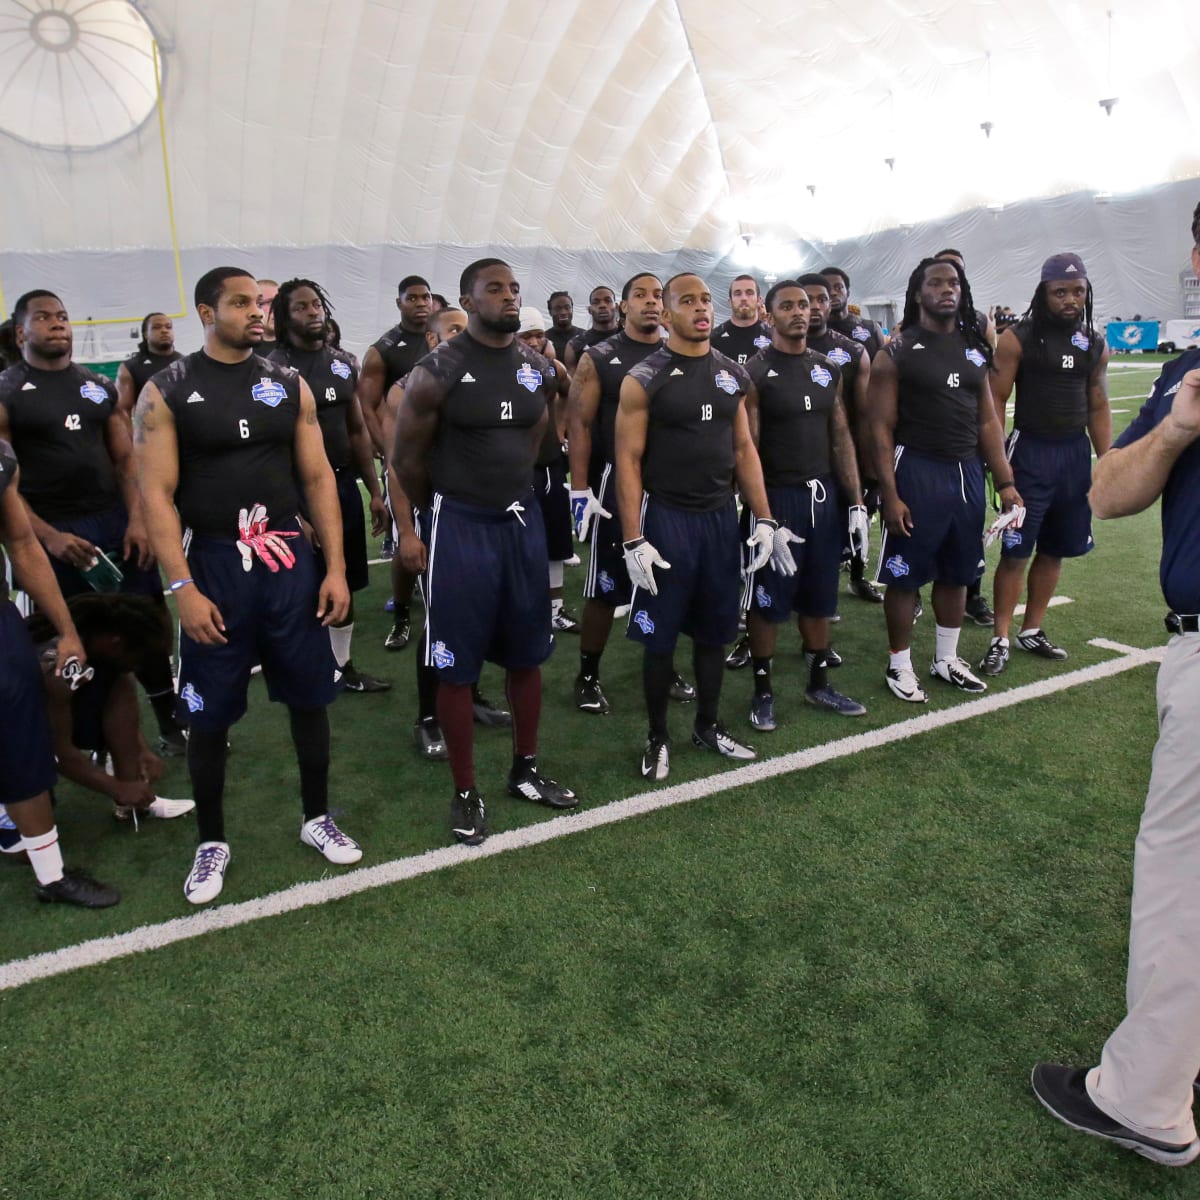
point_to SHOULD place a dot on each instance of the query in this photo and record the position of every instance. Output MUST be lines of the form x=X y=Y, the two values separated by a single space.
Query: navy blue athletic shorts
x=947 y=505
x=487 y=592
x=813 y=512
x=1053 y=476
x=107 y=531
x=87 y=709
x=26 y=745
x=700 y=595
x=354 y=531
x=607 y=579
x=550 y=483
x=270 y=617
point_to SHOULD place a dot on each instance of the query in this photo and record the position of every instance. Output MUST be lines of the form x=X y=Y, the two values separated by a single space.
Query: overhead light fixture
x=1109 y=104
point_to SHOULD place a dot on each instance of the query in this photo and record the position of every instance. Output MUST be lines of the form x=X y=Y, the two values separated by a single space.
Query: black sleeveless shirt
x=613 y=359
x=688 y=461
x=143 y=367
x=1052 y=380
x=741 y=342
x=58 y=421
x=332 y=377
x=796 y=395
x=236 y=430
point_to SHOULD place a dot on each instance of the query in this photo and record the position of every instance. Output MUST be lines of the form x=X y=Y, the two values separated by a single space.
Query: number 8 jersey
x=493 y=397
x=236 y=428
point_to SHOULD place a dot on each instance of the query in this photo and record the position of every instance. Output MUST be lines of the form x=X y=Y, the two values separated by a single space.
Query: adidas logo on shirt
x=28 y=387
x=772 y=374
x=467 y=378
x=616 y=362
x=195 y=398
x=676 y=371
x=918 y=346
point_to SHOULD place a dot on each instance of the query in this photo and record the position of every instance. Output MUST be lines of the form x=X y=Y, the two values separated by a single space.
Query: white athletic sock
x=900 y=660
x=556 y=574
x=1000 y=642
x=45 y=856
x=1030 y=632
x=947 y=642
x=339 y=639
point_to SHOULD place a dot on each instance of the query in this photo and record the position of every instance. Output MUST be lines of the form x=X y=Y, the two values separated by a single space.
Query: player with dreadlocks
x=1058 y=364
x=301 y=315
x=154 y=352
x=931 y=414
x=97 y=714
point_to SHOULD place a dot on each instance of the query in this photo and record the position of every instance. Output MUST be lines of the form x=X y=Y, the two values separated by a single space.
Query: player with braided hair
x=931 y=416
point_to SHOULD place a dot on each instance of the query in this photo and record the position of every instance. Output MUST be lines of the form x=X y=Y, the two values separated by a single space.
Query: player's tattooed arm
x=1005 y=364
x=1099 y=412
x=633 y=421
x=145 y=414
x=416 y=424
x=583 y=402
x=845 y=458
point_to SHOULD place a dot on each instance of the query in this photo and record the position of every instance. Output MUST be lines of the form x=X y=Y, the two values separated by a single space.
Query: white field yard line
x=20 y=972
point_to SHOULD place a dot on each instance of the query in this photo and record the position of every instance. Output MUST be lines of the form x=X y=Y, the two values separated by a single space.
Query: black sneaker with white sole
x=468 y=818
x=717 y=738
x=996 y=658
x=980 y=611
x=537 y=789
x=865 y=590
x=1062 y=1091
x=739 y=656
x=680 y=690
x=656 y=758
x=429 y=740
x=1038 y=643
x=78 y=888
x=589 y=695
x=354 y=680
x=957 y=672
x=834 y=701
x=762 y=712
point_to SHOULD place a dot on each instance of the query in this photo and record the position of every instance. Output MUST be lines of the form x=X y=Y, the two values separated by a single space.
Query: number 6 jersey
x=236 y=428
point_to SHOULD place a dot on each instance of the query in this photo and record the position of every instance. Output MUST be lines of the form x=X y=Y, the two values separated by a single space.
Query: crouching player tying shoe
x=467 y=434
x=799 y=425
x=225 y=441
x=682 y=437
x=931 y=416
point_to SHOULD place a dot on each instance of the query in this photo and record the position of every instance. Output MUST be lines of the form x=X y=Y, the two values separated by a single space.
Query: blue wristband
x=178 y=583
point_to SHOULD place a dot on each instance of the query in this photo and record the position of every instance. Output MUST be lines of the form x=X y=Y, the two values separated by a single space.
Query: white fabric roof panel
x=635 y=125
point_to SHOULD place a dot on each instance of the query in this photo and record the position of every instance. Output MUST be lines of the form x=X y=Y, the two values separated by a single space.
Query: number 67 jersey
x=493 y=398
x=235 y=424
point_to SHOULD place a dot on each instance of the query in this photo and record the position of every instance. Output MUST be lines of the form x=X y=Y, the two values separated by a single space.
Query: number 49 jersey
x=236 y=427
x=493 y=405
x=688 y=460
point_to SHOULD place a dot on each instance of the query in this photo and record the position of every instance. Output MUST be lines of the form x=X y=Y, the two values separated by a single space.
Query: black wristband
x=1008 y=483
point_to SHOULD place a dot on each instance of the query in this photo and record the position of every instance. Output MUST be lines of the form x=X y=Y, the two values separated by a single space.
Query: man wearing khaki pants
x=1140 y=1096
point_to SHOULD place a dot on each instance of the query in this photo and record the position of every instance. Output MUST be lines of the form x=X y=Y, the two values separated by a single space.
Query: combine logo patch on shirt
x=528 y=378
x=93 y=392
x=1080 y=339
x=898 y=567
x=268 y=392
x=839 y=356
x=642 y=620
x=192 y=698
x=860 y=333
x=761 y=342
x=340 y=369
x=726 y=382
x=443 y=656
x=762 y=597
x=606 y=582
x=975 y=357
x=821 y=376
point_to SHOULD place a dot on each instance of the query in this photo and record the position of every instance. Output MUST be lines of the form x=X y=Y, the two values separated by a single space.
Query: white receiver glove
x=640 y=560
x=769 y=542
x=1013 y=519
x=860 y=524
x=585 y=506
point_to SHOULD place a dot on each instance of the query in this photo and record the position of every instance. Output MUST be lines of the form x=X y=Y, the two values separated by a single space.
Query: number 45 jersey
x=236 y=429
x=490 y=422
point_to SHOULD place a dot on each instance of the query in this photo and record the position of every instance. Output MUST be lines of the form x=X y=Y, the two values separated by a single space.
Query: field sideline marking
x=22 y=971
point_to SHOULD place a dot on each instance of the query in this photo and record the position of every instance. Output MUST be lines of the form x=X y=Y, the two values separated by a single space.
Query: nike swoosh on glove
x=640 y=560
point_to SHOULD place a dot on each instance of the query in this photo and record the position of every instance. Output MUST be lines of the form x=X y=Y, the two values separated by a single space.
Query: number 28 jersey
x=494 y=398
x=236 y=428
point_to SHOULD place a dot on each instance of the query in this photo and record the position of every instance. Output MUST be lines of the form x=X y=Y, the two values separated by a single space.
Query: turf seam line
x=19 y=972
